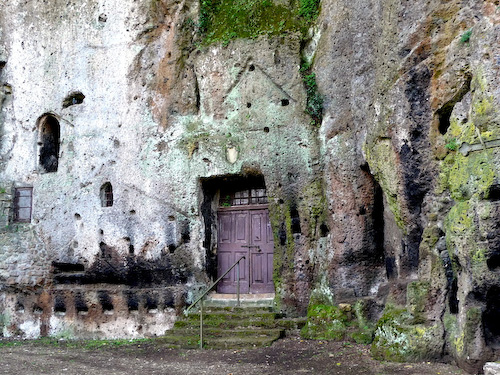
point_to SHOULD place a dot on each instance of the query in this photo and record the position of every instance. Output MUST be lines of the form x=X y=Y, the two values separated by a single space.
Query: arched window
x=49 y=133
x=106 y=195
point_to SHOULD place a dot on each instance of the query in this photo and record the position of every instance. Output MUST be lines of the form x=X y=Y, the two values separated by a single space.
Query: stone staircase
x=225 y=326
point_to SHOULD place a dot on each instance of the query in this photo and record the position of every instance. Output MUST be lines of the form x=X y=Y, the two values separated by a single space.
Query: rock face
x=371 y=125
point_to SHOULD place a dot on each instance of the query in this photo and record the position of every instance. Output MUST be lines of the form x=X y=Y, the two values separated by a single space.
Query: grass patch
x=76 y=344
x=224 y=20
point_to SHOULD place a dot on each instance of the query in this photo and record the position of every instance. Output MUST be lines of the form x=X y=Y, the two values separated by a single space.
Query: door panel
x=233 y=233
x=261 y=253
x=245 y=232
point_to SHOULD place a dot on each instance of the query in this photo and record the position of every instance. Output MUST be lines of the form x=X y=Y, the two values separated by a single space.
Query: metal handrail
x=200 y=298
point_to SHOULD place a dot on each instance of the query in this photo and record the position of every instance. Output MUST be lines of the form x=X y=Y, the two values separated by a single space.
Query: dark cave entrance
x=221 y=192
x=491 y=315
x=49 y=133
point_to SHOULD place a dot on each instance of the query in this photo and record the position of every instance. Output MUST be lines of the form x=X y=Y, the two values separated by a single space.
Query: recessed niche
x=251 y=67
x=132 y=301
x=59 y=305
x=105 y=301
x=249 y=105
x=285 y=102
x=48 y=141
x=266 y=129
x=73 y=98
x=19 y=307
x=80 y=304
x=37 y=310
x=324 y=230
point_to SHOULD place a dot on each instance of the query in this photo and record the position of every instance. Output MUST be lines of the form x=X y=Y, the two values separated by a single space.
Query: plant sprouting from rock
x=466 y=36
x=452 y=144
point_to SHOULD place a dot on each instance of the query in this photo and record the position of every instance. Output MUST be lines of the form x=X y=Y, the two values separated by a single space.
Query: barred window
x=244 y=197
x=106 y=195
x=23 y=199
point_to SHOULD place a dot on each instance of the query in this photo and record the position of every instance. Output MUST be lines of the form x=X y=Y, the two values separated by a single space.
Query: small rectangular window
x=23 y=198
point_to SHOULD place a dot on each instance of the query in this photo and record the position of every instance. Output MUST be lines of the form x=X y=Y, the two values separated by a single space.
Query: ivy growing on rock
x=314 y=105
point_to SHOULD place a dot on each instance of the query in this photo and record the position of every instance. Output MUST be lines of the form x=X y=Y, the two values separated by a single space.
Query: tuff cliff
x=372 y=123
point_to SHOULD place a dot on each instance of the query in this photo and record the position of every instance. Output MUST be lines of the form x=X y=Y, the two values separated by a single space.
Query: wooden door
x=245 y=232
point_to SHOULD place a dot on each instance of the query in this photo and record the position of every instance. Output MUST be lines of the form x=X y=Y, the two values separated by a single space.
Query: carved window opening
x=48 y=142
x=23 y=199
x=107 y=195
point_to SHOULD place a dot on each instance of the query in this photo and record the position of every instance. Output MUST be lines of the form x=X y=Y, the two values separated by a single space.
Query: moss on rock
x=397 y=337
x=383 y=161
x=325 y=322
x=417 y=294
x=343 y=322
x=223 y=20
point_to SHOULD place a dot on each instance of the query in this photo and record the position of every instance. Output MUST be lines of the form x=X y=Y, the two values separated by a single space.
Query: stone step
x=230 y=320
x=234 y=313
x=246 y=300
x=231 y=327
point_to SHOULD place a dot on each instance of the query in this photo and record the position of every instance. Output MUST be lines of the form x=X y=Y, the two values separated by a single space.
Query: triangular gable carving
x=254 y=87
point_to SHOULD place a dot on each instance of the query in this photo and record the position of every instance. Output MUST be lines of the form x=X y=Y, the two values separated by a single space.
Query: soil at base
x=288 y=356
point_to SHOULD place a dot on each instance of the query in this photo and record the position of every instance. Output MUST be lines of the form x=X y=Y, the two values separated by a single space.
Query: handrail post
x=214 y=284
x=201 y=325
x=238 y=284
x=200 y=299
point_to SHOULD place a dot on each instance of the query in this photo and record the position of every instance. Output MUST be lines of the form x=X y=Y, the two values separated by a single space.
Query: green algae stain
x=383 y=161
x=417 y=297
x=470 y=175
x=459 y=219
x=460 y=338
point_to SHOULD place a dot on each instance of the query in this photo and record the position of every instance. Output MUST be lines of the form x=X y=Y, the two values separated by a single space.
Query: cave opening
x=73 y=98
x=443 y=114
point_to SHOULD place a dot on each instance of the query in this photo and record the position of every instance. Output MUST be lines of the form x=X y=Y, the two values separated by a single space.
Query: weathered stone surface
x=491 y=368
x=375 y=203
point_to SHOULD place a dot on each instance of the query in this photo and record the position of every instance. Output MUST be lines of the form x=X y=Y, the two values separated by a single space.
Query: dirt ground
x=288 y=356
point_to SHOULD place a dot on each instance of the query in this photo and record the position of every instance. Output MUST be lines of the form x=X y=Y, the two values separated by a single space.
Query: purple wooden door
x=245 y=232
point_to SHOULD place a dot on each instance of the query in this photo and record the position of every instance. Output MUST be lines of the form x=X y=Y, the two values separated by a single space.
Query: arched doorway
x=49 y=133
